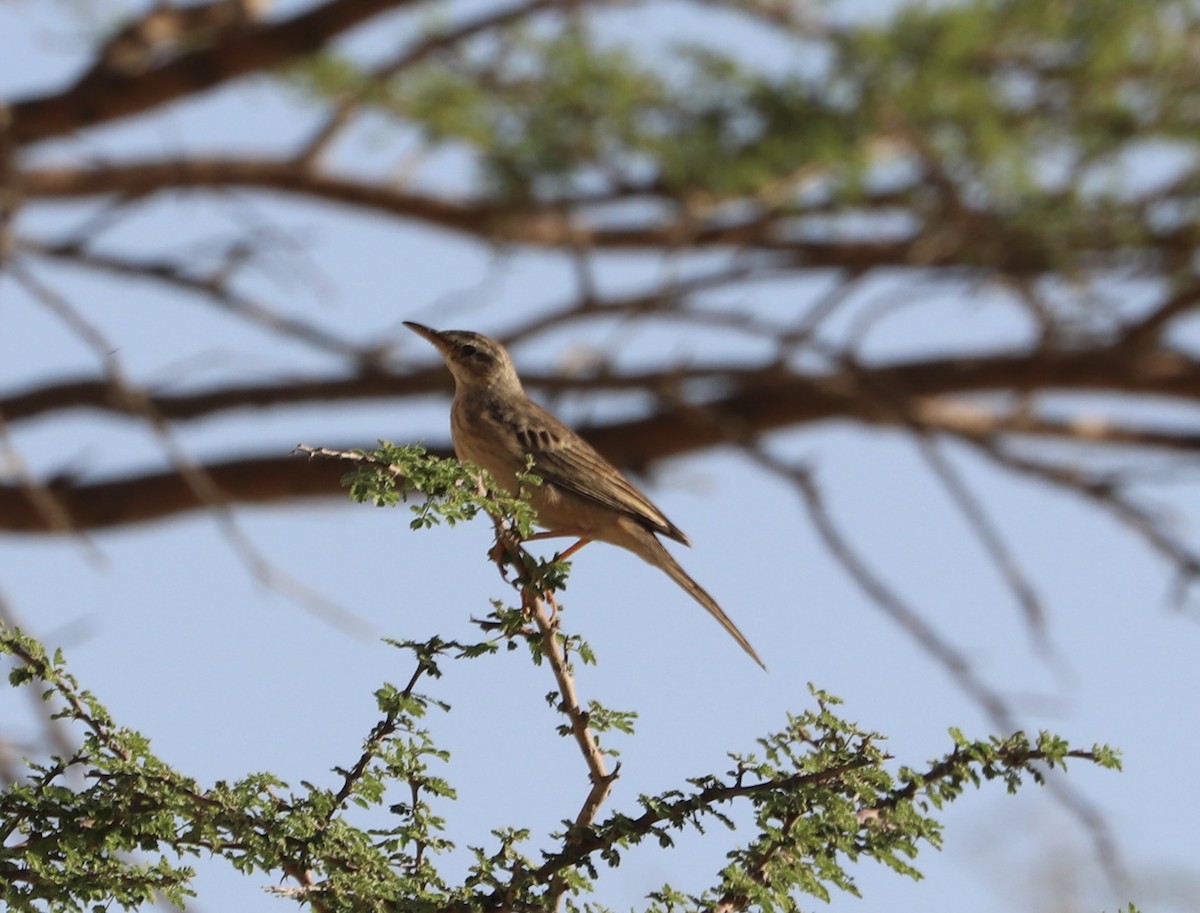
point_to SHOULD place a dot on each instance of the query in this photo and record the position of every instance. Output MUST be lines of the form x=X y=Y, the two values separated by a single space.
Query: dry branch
x=767 y=397
x=890 y=396
x=111 y=96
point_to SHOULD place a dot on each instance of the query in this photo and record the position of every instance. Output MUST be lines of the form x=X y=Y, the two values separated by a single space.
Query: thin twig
x=990 y=538
x=882 y=595
x=315 y=147
x=43 y=497
x=534 y=602
x=53 y=728
x=214 y=287
x=194 y=475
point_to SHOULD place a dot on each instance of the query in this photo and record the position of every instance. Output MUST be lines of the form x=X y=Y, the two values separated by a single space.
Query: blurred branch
x=885 y=597
x=761 y=401
x=546 y=226
x=164 y=30
x=1106 y=491
x=113 y=95
x=148 y=497
x=197 y=482
x=952 y=661
x=667 y=299
x=989 y=536
x=1151 y=328
x=551 y=225
x=764 y=397
x=215 y=287
x=39 y=495
x=431 y=44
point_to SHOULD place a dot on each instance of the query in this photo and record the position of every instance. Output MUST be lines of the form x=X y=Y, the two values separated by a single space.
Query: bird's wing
x=563 y=458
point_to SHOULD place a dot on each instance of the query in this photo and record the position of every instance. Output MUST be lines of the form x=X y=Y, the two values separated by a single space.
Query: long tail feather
x=657 y=555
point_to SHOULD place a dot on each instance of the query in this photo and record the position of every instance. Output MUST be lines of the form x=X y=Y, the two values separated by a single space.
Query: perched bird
x=496 y=426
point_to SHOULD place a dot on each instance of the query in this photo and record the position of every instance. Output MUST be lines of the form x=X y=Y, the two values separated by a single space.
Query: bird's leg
x=555 y=534
x=564 y=555
x=585 y=536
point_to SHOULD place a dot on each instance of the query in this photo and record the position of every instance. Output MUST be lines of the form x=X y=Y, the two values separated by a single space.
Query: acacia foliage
x=113 y=823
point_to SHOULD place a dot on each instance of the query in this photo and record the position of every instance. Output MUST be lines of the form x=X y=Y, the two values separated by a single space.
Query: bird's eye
x=468 y=351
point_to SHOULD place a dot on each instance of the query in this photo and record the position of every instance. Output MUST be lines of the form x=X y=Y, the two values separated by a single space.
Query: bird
x=497 y=427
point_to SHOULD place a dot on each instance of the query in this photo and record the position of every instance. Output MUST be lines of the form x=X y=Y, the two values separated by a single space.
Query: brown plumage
x=496 y=426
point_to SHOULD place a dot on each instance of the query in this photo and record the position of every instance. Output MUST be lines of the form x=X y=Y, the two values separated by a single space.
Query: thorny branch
x=54 y=732
x=539 y=605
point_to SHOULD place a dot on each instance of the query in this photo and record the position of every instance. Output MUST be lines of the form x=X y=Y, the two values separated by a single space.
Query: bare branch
x=546 y=226
x=199 y=483
x=763 y=399
x=665 y=299
x=989 y=536
x=884 y=597
x=1105 y=491
x=112 y=96
x=40 y=496
x=961 y=417
x=1151 y=328
x=214 y=287
x=951 y=660
x=761 y=402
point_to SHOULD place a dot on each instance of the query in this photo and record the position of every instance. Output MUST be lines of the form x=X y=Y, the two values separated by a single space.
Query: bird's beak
x=433 y=336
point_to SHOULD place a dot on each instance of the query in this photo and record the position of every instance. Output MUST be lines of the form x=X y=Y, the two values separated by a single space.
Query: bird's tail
x=657 y=555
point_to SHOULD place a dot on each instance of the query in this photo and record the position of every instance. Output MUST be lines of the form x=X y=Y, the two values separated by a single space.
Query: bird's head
x=475 y=360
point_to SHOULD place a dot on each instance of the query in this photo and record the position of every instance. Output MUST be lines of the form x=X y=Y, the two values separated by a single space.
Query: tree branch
x=112 y=96
x=763 y=398
x=420 y=50
x=553 y=225
x=884 y=597
x=214 y=287
x=761 y=402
